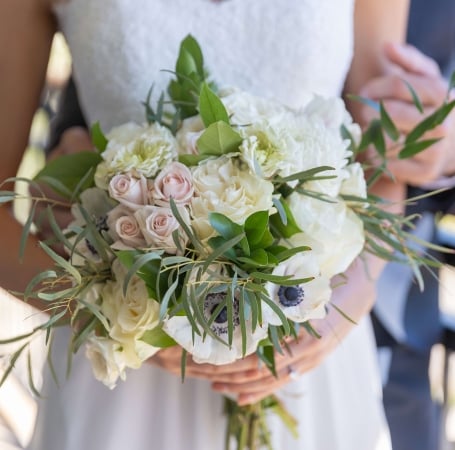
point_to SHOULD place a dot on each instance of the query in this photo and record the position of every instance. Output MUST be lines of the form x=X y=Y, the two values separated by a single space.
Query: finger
x=404 y=115
x=430 y=91
x=410 y=59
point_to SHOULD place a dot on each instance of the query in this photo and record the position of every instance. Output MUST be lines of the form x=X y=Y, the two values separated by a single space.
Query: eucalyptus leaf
x=388 y=124
x=156 y=337
x=413 y=148
x=430 y=122
x=211 y=108
x=68 y=170
x=218 y=139
x=98 y=138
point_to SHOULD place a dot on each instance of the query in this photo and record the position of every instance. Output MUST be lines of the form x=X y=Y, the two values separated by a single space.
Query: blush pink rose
x=129 y=190
x=124 y=229
x=157 y=224
x=174 y=181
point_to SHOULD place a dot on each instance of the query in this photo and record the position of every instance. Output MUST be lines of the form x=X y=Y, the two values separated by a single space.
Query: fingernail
x=219 y=387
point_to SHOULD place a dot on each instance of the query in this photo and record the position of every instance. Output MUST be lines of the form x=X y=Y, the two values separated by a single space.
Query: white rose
x=222 y=186
x=335 y=228
x=157 y=224
x=188 y=134
x=124 y=229
x=174 y=181
x=129 y=190
x=106 y=359
x=130 y=315
x=137 y=149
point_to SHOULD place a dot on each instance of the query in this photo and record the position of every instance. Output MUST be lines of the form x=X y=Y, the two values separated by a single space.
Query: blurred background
x=17 y=404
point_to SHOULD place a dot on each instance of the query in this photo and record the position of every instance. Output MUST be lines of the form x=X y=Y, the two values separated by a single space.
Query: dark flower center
x=290 y=295
x=222 y=316
x=220 y=322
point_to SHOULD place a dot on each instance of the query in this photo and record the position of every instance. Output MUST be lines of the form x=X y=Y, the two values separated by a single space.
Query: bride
x=276 y=49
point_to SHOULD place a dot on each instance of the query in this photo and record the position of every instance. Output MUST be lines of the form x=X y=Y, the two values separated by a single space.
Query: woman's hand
x=250 y=381
x=411 y=66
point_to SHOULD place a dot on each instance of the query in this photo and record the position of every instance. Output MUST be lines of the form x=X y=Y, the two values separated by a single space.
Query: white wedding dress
x=282 y=49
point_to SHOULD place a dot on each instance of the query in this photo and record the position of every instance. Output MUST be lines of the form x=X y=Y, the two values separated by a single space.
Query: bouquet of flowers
x=216 y=226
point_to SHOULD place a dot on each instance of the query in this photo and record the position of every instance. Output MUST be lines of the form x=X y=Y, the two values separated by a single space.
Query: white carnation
x=136 y=149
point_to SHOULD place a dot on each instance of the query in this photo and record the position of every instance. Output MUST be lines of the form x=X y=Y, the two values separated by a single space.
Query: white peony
x=332 y=111
x=246 y=109
x=332 y=230
x=137 y=149
x=222 y=185
x=301 y=302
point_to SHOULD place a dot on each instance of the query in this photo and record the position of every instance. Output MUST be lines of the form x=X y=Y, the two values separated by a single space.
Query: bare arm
x=27 y=28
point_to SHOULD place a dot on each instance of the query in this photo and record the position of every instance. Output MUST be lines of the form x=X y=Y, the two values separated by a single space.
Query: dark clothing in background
x=413 y=417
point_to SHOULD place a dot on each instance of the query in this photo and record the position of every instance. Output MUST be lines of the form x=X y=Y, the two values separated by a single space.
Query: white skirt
x=338 y=406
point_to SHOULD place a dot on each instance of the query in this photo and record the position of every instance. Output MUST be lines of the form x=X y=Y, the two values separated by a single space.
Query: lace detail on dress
x=278 y=49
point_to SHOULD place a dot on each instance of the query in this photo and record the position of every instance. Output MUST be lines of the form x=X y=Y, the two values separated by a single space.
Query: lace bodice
x=277 y=49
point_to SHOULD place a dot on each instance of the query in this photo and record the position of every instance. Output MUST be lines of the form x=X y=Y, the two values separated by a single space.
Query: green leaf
x=415 y=97
x=219 y=139
x=185 y=64
x=139 y=262
x=224 y=226
x=62 y=262
x=373 y=135
x=307 y=175
x=11 y=364
x=283 y=229
x=191 y=47
x=192 y=160
x=222 y=249
x=98 y=138
x=255 y=226
x=26 y=231
x=167 y=297
x=211 y=108
x=158 y=338
x=267 y=355
x=413 y=148
x=388 y=124
x=283 y=280
x=7 y=196
x=430 y=122
x=68 y=170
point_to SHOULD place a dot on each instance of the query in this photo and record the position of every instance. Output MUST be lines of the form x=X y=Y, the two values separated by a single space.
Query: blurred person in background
x=407 y=321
